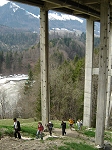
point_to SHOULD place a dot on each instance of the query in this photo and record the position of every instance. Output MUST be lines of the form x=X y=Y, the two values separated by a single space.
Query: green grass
x=108 y=136
x=89 y=133
x=31 y=131
x=75 y=146
x=29 y=128
x=57 y=124
x=51 y=138
x=9 y=122
x=6 y=130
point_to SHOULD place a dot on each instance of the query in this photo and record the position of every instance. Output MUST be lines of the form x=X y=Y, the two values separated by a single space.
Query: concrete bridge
x=92 y=10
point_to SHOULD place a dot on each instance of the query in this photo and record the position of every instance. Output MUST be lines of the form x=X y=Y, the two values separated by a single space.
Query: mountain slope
x=16 y=39
x=26 y=17
x=16 y=17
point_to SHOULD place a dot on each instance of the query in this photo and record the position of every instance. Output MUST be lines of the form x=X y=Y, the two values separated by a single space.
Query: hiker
x=40 y=131
x=71 y=123
x=79 y=124
x=17 y=128
x=63 y=125
x=50 y=127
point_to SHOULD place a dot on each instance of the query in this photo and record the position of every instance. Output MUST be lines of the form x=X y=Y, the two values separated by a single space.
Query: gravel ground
x=25 y=143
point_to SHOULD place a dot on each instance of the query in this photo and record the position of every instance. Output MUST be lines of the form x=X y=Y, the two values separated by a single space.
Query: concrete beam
x=91 y=1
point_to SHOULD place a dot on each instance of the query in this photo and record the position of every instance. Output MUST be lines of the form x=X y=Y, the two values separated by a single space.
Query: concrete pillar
x=44 y=58
x=110 y=109
x=103 y=68
x=108 y=104
x=88 y=73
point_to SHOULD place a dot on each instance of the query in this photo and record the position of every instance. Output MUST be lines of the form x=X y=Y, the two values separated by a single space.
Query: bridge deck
x=79 y=8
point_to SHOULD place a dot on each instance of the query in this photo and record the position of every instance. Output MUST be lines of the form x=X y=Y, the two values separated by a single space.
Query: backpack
x=65 y=125
x=18 y=125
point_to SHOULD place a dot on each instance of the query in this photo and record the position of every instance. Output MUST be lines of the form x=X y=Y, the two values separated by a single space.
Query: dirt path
x=10 y=143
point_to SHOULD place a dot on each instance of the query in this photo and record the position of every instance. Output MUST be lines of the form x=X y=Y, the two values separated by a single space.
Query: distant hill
x=16 y=39
x=61 y=47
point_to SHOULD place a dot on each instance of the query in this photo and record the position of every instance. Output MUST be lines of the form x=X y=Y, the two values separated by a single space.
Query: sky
x=2 y=2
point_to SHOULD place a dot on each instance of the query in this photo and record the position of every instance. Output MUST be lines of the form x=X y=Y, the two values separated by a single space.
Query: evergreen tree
x=8 y=62
x=1 y=60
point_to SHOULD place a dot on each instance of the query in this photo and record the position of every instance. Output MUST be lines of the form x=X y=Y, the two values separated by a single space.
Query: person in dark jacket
x=50 y=127
x=63 y=125
x=17 y=128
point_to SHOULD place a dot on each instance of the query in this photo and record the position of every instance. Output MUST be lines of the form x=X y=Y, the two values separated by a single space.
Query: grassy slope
x=29 y=127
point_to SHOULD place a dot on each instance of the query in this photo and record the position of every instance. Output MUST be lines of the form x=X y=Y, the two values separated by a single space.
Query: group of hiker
x=78 y=123
x=49 y=126
x=63 y=126
x=40 y=129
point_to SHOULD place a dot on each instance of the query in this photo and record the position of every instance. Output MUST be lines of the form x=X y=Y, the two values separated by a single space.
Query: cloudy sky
x=2 y=2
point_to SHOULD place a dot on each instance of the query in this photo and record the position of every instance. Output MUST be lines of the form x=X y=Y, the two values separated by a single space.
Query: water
x=10 y=93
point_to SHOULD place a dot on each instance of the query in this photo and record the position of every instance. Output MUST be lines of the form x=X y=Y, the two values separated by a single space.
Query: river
x=10 y=88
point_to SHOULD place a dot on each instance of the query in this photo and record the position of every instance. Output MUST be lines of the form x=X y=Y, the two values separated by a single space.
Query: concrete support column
x=108 y=104
x=103 y=68
x=44 y=58
x=88 y=73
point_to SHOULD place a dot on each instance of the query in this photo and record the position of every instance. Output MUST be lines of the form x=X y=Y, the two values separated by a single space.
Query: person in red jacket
x=40 y=131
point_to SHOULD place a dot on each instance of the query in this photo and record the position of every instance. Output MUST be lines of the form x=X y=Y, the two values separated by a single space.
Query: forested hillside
x=19 y=51
x=66 y=68
x=16 y=39
x=66 y=81
x=14 y=45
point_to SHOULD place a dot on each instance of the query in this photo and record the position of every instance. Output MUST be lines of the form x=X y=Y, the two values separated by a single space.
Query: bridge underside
x=79 y=8
x=92 y=10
